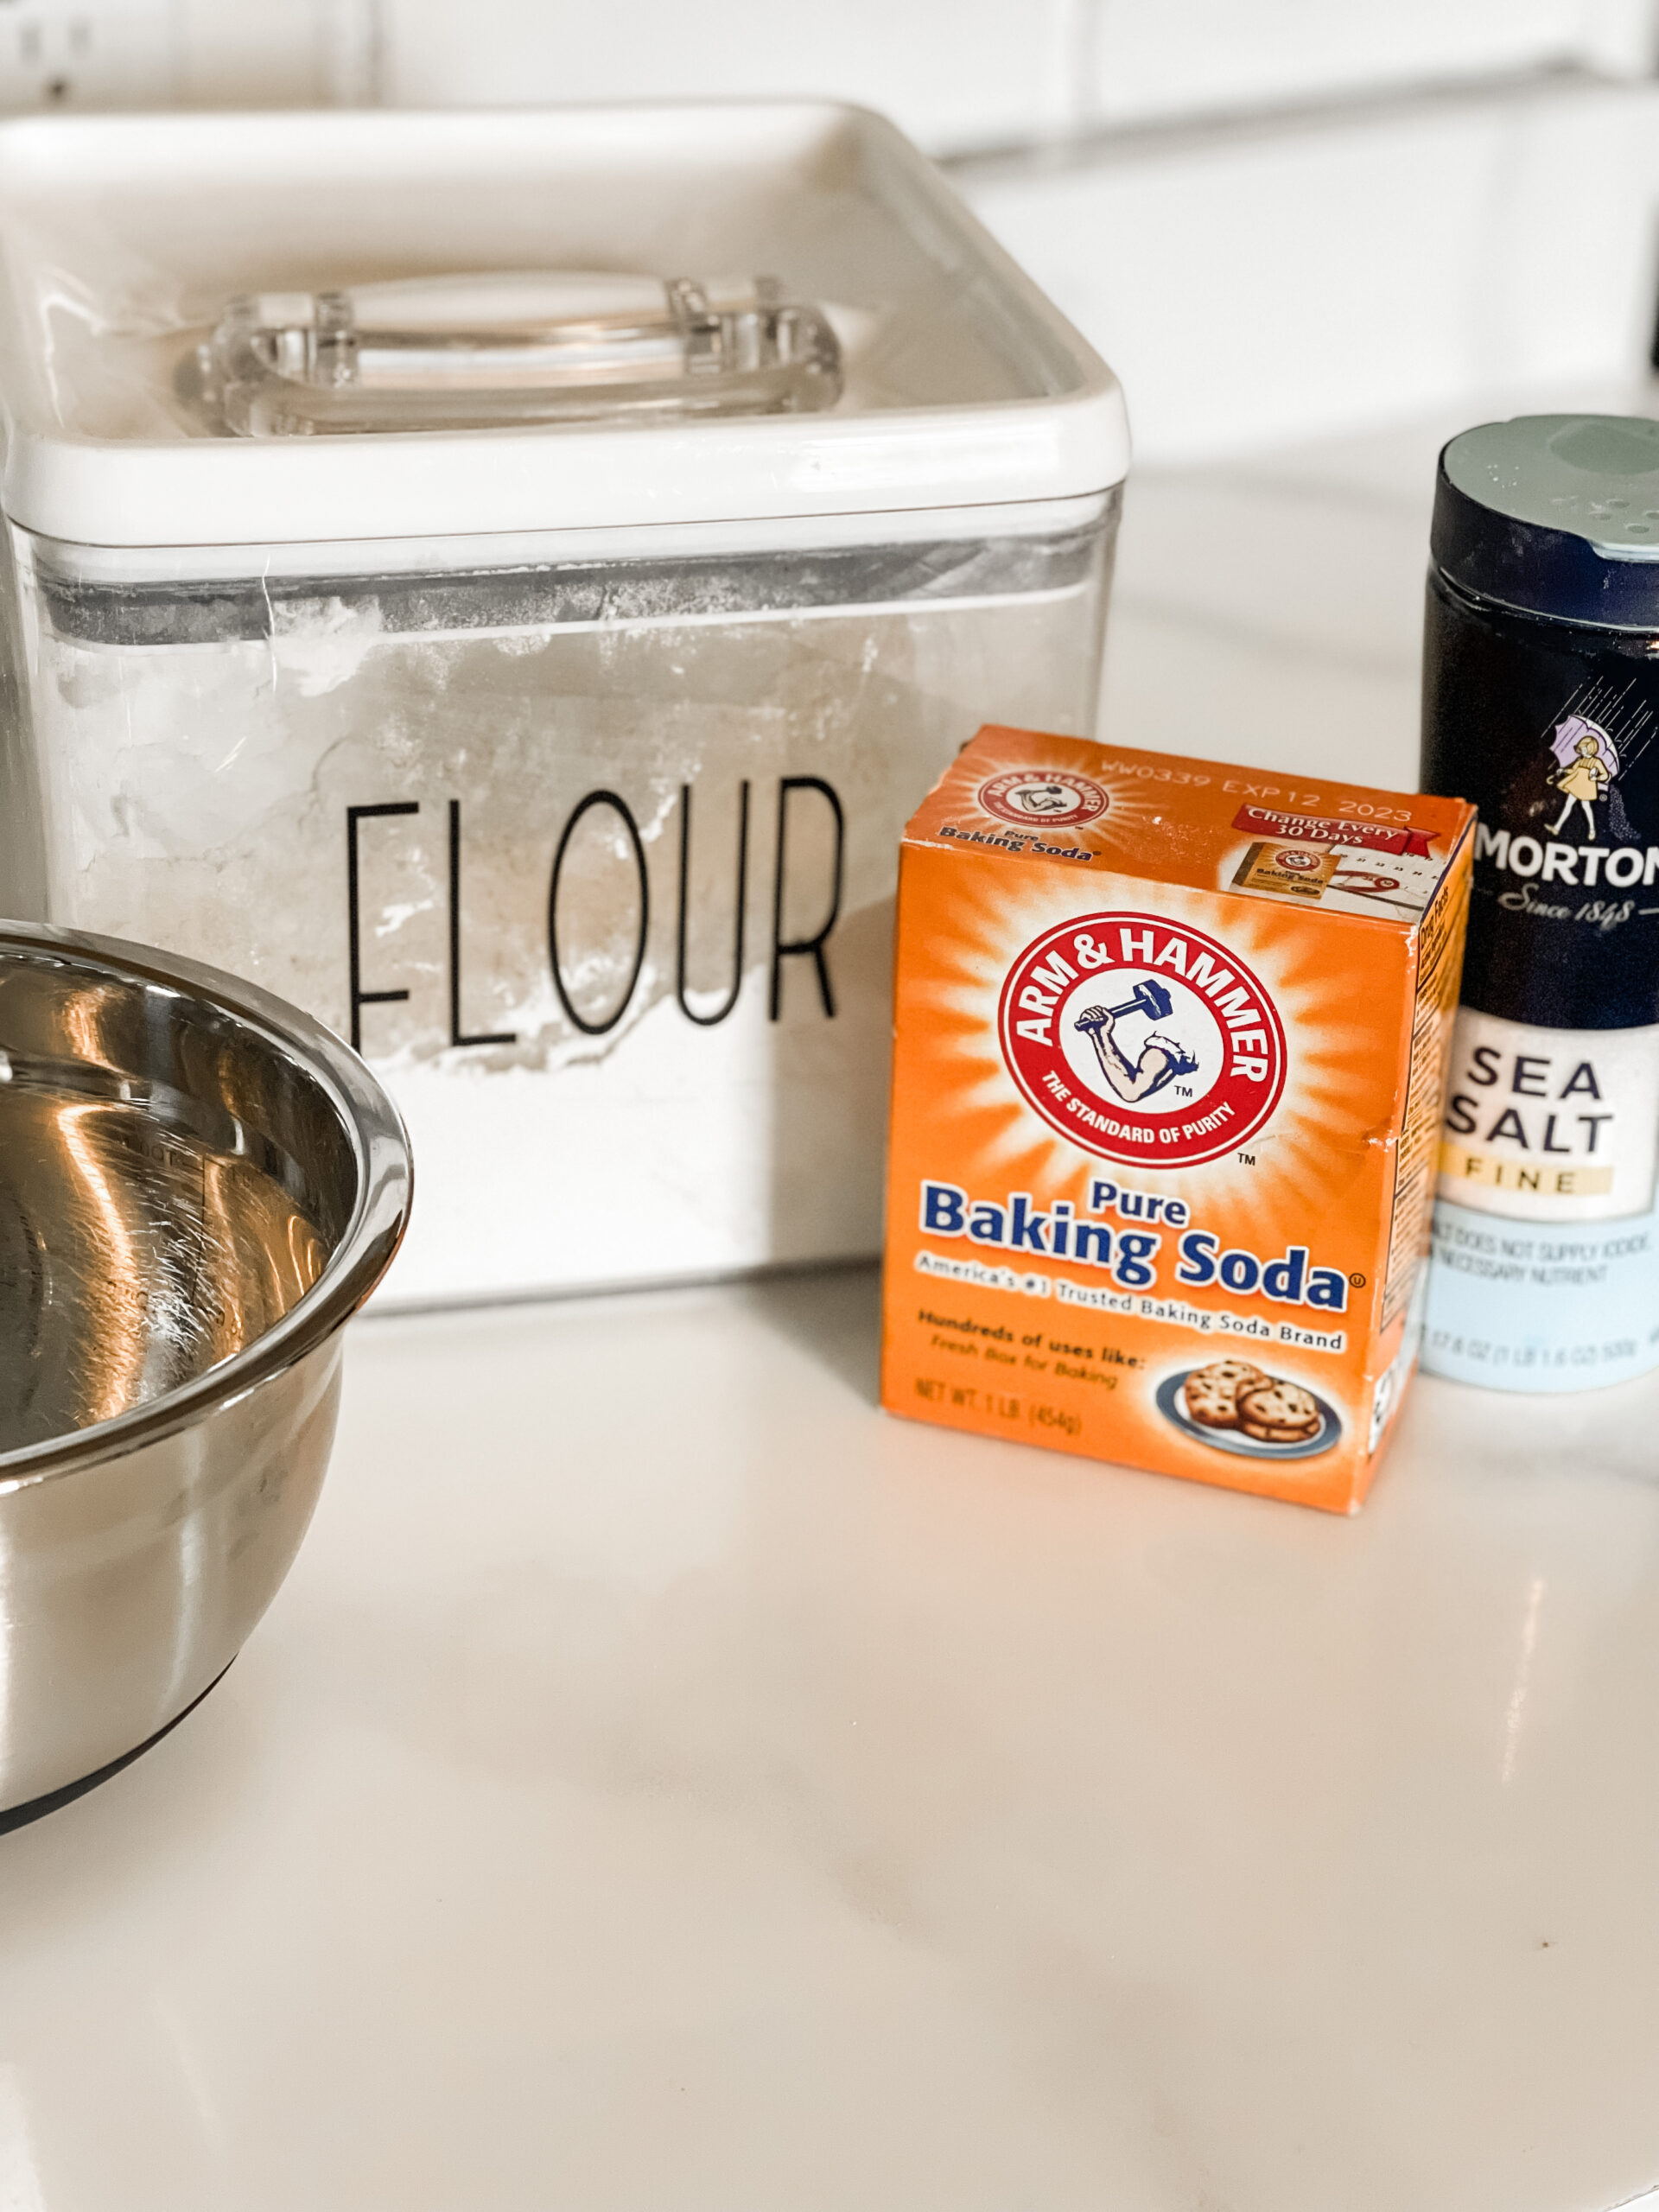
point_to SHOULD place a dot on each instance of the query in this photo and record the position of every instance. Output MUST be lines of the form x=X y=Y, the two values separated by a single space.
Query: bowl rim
x=378 y=1220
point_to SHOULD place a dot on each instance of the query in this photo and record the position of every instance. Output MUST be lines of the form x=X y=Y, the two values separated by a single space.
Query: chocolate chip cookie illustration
x=1278 y=1412
x=1212 y=1393
x=1232 y=1404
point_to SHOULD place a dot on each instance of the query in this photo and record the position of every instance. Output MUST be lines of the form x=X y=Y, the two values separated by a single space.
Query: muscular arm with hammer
x=1160 y=1057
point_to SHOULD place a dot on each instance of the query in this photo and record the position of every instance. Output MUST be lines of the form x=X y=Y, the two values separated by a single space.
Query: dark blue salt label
x=1553 y=731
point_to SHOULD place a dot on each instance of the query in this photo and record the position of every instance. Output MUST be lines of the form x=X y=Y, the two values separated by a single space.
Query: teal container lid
x=1554 y=515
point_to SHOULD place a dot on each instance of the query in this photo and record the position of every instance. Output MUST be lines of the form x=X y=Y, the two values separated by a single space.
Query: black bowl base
x=19 y=1816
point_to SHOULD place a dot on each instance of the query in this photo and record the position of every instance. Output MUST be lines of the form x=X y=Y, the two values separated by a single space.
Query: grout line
x=1076 y=40
x=1096 y=145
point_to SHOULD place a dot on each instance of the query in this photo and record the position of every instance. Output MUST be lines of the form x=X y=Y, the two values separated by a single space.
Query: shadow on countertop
x=832 y=1314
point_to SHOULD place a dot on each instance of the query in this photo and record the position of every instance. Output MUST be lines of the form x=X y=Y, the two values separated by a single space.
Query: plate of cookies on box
x=1238 y=1407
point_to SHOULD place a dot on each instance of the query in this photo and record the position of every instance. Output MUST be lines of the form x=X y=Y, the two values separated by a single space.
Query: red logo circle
x=1043 y=799
x=1141 y=1039
x=1299 y=861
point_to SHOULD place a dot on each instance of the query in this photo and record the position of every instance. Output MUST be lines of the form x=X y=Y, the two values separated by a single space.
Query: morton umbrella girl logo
x=1588 y=762
x=1595 y=739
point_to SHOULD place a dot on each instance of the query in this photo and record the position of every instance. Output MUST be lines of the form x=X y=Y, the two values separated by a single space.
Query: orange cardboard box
x=1170 y=1046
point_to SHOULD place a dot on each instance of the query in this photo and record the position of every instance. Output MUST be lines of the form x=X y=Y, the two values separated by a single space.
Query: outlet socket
x=139 y=54
x=70 y=54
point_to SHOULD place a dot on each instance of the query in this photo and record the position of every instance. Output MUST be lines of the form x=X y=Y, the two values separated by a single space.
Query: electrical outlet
x=68 y=54
x=138 y=53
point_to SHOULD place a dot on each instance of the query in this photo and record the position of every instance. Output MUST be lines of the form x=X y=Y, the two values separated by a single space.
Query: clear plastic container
x=556 y=753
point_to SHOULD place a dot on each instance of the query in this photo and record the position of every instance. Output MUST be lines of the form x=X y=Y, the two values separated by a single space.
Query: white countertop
x=666 y=1783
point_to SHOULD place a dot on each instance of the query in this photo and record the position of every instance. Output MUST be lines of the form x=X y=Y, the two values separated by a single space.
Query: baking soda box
x=1169 y=1060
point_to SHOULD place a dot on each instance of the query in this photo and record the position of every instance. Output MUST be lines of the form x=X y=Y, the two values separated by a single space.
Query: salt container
x=1541 y=702
x=502 y=583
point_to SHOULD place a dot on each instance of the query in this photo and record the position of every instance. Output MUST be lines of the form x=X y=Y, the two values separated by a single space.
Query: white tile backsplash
x=1181 y=57
x=953 y=73
x=286 y=52
x=959 y=74
x=964 y=73
x=1260 y=285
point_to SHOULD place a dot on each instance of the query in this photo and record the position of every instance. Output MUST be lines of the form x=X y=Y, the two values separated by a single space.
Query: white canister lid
x=128 y=238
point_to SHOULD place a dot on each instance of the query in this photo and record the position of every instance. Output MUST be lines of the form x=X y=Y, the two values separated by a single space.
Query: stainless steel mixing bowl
x=198 y=1186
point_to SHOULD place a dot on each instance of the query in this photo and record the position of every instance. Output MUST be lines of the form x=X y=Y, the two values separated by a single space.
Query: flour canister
x=503 y=581
x=1542 y=704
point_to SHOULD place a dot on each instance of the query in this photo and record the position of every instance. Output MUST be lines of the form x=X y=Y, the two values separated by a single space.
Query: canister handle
x=492 y=350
